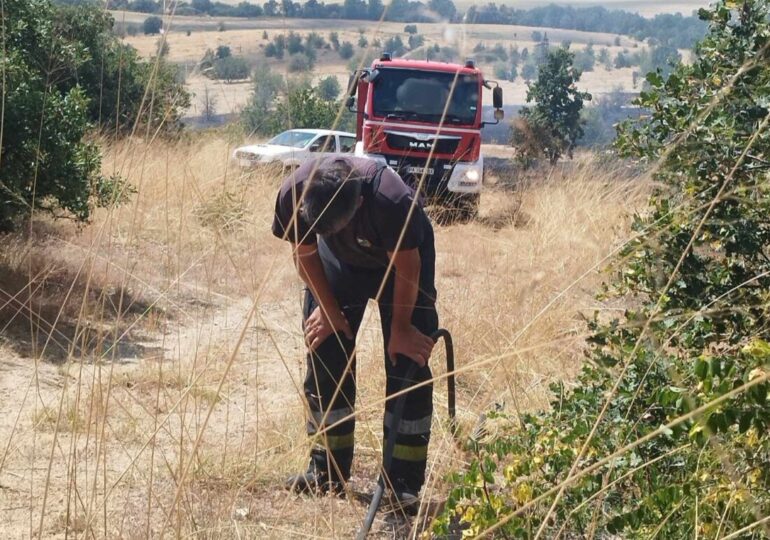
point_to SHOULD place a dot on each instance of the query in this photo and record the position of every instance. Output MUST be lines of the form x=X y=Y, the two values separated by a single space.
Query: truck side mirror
x=352 y=83
x=499 y=114
x=350 y=102
x=497 y=97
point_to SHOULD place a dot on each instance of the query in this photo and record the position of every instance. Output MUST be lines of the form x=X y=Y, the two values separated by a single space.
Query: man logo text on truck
x=420 y=145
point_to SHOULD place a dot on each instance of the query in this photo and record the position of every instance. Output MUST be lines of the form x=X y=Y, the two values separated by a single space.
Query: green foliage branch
x=665 y=432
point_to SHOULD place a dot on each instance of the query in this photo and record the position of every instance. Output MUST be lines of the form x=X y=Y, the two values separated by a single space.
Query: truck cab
x=424 y=120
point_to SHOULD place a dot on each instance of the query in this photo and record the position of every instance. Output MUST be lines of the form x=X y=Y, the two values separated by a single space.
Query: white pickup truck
x=291 y=148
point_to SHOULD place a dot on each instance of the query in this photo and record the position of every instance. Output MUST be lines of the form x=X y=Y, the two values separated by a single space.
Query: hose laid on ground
x=398 y=412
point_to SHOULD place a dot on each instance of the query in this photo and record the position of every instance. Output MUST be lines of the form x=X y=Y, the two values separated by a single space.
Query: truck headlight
x=472 y=175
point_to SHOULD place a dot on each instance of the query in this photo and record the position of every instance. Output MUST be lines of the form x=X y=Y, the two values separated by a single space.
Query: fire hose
x=398 y=412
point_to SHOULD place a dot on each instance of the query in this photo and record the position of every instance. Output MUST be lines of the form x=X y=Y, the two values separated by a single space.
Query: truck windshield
x=409 y=94
x=296 y=139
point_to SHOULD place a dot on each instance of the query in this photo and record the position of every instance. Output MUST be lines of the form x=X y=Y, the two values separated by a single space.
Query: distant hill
x=675 y=30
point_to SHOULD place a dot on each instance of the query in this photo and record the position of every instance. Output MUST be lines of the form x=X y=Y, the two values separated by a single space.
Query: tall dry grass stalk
x=152 y=360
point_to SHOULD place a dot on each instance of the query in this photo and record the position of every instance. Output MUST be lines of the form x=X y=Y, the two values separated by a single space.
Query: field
x=245 y=37
x=151 y=360
x=648 y=8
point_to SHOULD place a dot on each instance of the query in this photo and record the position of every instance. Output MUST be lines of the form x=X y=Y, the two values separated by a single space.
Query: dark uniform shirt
x=376 y=226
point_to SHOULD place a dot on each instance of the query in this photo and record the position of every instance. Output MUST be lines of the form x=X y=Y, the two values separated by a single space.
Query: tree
x=270 y=8
x=299 y=63
x=501 y=71
x=45 y=166
x=445 y=8
x=675 y=391
x=145 y=6
x=314 y=41
x=374 y=10
x=303 y=108
x=276 y=47
x=537 y=36
x=294 y=43
x=604 y=58
x=395 y=46
x=622 y=61
x=557 y=108
x=152 y=25
x=223 y=51
x=115 y=79
x=346 y=50
x=585 y=59
x=515 y=56
x=329 y=88
x=354 y=9
x=410 y=29
x=231 y=68
x=663 y=58
x=334 y=39
x=201 y=6
x=415 y=41
x=499 y=51
x=208 y=104
x=362 y=42
x=265 y=89
x=529 y=71
x=244 y=9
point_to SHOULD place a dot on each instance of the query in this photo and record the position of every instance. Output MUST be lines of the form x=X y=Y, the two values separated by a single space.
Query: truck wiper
x=396 y=116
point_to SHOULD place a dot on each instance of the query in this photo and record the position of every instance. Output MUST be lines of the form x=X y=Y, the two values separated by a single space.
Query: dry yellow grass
x=166 y=400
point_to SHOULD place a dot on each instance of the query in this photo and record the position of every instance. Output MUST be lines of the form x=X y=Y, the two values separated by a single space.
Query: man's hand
x=318 y=327
x=410 y=342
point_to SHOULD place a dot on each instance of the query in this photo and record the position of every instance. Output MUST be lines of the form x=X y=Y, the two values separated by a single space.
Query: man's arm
x=404 y=337
x=327 y=318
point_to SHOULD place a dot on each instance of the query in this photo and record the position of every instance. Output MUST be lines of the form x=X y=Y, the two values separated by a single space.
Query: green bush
x=152 y=25
x=299 y=63
x=294 y=43
x=266 y=87
x=314 y=41
x=303 y=108
x=585 y=59
x=334 y=39
x=394 y=45
x=415 y=41
x=346 y=50
x=329 y=88
x=665 y=434
x=231 y=68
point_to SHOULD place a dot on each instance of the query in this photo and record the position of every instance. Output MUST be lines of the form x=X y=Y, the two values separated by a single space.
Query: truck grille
x=443 y=144
x=411 y=169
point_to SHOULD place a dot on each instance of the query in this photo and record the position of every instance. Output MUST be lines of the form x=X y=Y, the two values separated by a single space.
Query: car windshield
x=407 y=94
x=296 y=139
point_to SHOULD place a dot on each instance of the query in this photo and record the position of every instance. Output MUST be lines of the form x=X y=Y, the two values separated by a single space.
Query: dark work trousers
x=332 y=451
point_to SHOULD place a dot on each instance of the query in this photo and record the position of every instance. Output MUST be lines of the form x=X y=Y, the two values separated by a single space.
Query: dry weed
x=178 y=317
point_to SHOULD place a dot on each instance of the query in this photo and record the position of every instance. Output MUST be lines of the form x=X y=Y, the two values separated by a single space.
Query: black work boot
x=314 y=483
x=404 y=498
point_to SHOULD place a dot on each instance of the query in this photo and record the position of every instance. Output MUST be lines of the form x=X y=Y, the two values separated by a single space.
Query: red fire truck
x=424 y=119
